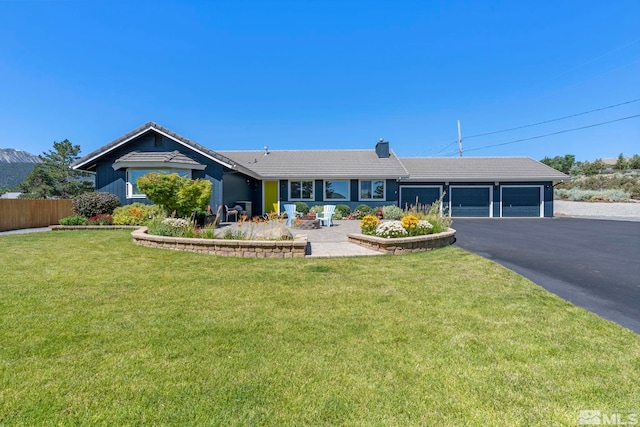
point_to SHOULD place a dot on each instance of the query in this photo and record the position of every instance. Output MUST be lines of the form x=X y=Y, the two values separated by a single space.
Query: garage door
x=471 y=201
x=521 y=201
x=425 y=195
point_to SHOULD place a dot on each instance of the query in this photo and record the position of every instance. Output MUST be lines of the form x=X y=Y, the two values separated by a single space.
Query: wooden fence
x=29 y=213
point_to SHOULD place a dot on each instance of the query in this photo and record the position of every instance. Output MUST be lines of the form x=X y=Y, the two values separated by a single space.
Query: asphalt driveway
x=595 y=264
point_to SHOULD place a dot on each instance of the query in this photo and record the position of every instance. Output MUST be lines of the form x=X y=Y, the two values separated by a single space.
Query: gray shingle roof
x=156 y=157
x=319 y=164
x=476 y=169
x=336 y=164
x=88 y=162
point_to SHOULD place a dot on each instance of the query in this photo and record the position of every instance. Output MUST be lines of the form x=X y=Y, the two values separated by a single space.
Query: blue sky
x=324 y=74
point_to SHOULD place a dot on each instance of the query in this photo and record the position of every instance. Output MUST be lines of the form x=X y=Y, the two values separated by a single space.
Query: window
x=133 y=174
x=372 y=190
x=336 y=190
x=300 y=190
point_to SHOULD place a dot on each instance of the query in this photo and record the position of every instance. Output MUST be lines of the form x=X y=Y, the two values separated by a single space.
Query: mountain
x=11 y=155
x=15 y=165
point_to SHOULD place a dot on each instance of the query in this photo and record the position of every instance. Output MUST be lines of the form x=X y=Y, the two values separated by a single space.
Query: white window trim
x=541 y=187
x=313 y=190
x=129 y=185
x=439 y=187
x=490 y=187
x=324 y=190
x=384 y=192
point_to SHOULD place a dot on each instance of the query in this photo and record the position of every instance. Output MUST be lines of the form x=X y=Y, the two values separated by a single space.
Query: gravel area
x=598 y=210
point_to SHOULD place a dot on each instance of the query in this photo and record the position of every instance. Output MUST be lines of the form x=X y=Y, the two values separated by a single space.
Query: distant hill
x=15 y=165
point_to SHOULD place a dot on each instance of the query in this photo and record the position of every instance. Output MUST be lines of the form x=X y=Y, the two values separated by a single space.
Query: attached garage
x=424 y=194
x=521 y=201
x=470 y=201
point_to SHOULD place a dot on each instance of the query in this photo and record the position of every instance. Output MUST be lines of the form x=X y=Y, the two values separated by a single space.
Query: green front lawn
x=96 y=330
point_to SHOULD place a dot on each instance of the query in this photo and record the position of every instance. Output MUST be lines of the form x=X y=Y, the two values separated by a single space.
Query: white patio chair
x=327 y=215
x=291 y=213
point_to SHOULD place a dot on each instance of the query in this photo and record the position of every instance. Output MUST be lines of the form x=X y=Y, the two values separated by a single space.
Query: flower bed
x=403 y=245
x=295 y=248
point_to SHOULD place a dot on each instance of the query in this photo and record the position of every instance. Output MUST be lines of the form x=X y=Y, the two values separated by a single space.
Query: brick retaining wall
x=404 y=245
x=295 y=248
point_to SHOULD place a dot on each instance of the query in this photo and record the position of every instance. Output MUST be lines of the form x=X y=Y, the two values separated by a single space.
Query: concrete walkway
x=331 y=242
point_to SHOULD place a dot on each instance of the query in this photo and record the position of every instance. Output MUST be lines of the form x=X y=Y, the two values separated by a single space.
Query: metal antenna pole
x=459 y=139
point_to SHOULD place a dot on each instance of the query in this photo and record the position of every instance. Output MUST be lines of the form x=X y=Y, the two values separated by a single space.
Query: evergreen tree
x=54 y=178
x=622 y=163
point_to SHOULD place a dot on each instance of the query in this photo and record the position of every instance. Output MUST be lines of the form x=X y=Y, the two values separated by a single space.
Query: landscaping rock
x=279 y=232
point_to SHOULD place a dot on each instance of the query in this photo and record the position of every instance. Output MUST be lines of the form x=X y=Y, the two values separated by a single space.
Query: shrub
x=177 y=194
x=172 y=227
x=231 y=233
x=316 y=209
x=302 y=207
x=74 y=220
x=439 y=223
x=137 y=214
x=364 y=209
x=391 y=229
x=361 y=211
x=102 y=219
x=208 y=232
x=342 y=211
x=368 y=224
x=392 y=212
x=577 y=194
x=96 y=203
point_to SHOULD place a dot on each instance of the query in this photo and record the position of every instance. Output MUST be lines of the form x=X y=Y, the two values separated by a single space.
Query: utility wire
x=447 y=146
x=553 y=133
x=553 y=120
x=592 y=60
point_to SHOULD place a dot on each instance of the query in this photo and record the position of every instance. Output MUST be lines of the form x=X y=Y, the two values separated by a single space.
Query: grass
x=95 y=330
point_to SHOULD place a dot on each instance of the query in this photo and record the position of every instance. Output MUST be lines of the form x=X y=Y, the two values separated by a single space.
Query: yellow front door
x=270 y=197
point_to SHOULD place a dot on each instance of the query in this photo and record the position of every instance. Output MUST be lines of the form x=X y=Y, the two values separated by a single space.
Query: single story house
x=263 y=180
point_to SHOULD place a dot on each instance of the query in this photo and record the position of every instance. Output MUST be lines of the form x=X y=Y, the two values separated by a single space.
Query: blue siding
x=426 y=196
x=112 y=181
x=391 y=188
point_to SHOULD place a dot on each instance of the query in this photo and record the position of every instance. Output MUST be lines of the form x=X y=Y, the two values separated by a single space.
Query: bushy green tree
x=634 y=162
x=179 y=196
x=593 y=168
x=561 y=163
x=54 y=178
x=622 y=163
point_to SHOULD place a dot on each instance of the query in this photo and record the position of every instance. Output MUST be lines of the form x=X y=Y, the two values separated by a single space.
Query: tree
x=622 y=163
x=593 y=168
x=561 y=163
x=178 y=195
x=634 y=162
x=53 y=177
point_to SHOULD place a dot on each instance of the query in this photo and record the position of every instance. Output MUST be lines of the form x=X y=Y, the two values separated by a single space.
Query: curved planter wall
x=295 y=248
x=405 y=245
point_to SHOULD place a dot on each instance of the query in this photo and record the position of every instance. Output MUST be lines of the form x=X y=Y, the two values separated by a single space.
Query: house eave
x=486 y=179
x=141 y=132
